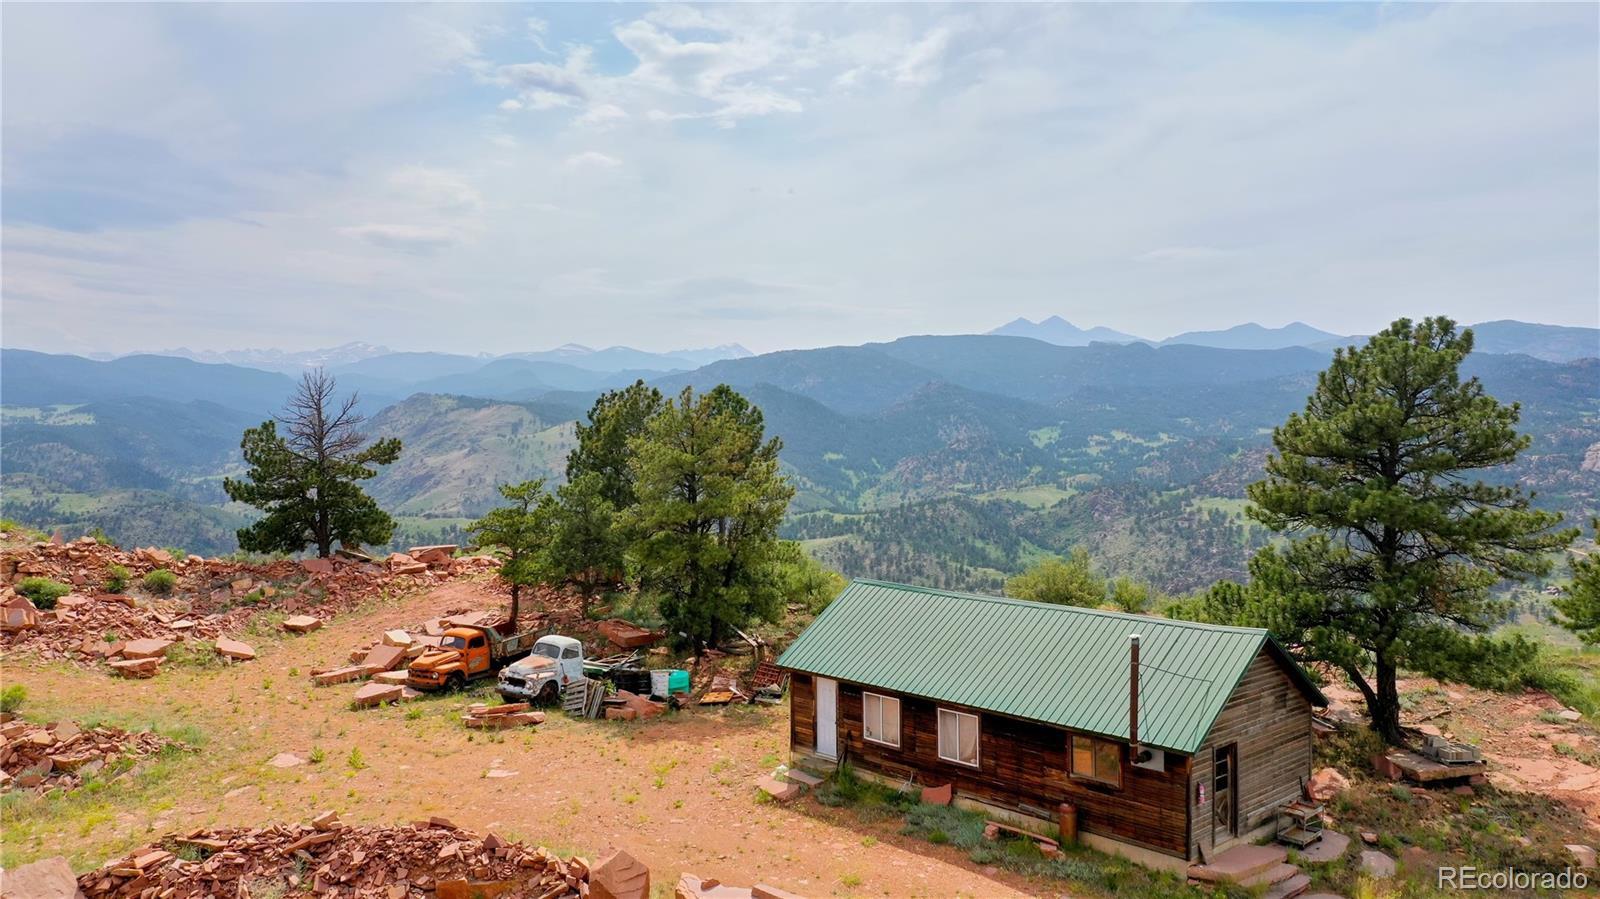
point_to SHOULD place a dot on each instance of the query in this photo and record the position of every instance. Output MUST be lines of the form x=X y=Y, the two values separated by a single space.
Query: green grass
x=34 y=825
x=1078 y=870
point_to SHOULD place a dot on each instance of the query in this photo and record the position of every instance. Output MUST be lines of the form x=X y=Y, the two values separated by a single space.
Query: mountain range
x=948 y=460
x=1554 y=343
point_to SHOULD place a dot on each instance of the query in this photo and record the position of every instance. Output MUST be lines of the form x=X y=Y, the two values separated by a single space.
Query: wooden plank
x=1021 y=763
x=1268 y=719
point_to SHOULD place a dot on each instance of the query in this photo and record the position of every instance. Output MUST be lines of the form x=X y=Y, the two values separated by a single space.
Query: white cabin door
x=827 y=718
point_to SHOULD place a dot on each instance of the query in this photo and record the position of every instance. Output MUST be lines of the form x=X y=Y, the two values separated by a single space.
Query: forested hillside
x=945 y=460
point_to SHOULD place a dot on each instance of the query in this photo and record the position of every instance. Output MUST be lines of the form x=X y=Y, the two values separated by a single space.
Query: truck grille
x=515 y=682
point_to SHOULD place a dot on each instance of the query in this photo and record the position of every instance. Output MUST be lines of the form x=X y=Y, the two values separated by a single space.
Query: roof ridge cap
x=1082 y=610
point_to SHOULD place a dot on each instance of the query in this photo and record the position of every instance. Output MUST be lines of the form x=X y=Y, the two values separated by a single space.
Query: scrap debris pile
x=89 y=629
x=62 y=754
x=431 y=857
x=212 y=599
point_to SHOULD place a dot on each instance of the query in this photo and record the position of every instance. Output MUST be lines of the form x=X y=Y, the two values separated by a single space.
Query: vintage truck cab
x=555 y=662
x=463 y=654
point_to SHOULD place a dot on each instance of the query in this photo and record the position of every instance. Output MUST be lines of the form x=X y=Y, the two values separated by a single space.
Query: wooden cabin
x=1023 y=707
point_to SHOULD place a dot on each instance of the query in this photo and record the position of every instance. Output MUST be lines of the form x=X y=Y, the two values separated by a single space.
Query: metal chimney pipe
x=1133 y=695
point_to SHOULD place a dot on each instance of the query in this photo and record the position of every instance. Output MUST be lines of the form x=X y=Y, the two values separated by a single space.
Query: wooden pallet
x=594 y=699
x=574 y=696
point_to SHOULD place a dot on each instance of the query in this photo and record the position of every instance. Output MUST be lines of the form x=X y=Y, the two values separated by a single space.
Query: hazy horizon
x=497 y=178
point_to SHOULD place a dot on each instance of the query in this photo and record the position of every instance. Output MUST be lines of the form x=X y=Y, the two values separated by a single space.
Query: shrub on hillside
x=43 y=591
x=160 y=581
x=117 y=577
x=12 y=697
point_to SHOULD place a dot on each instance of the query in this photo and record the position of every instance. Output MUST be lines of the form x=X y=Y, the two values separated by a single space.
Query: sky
x=504 y=178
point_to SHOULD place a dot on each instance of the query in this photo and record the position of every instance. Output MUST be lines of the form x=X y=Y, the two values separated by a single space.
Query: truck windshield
x=453 y=643
x=548 y=650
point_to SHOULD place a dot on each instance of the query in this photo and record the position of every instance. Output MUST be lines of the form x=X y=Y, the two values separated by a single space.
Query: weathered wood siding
x=802 y=712
x=1023 y=766
x=1269 y=720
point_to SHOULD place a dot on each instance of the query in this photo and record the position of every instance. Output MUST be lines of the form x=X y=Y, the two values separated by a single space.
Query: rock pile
x=61 y=754
x=214 y=598
x=331 y=860
x=500 y=717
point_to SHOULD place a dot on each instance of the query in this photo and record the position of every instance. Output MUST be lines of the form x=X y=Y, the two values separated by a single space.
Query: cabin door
x=827 y=718
x=1224 y=793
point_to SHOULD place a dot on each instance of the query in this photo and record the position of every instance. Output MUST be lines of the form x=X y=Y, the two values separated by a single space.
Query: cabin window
x=880 y=719
x=958 y=737
x=475 y=643
x=1099 y=760
x=571 y=652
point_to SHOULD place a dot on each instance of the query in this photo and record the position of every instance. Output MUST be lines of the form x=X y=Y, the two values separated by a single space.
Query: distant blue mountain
x=1251 y=336
x=1061 y=332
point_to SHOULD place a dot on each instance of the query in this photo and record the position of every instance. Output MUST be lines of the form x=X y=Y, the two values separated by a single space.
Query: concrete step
x=1285 y=889
x=1239 y=863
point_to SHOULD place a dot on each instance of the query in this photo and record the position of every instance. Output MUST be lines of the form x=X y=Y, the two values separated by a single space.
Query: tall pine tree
x=1396 y=545
x=1579 y=603
x=710 y=499
x=520 y=532
x=305 y=479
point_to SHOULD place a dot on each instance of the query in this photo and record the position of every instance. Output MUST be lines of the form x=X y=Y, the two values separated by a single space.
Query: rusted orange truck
x=467 y=653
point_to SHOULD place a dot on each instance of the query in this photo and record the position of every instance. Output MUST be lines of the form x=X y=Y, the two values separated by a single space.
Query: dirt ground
x=1528 y=748
x=678 y=792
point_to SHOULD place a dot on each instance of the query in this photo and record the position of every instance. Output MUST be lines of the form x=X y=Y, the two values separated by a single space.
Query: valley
x=949 y=460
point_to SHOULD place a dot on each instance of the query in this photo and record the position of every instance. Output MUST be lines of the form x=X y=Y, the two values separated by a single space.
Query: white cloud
x=404 y=238
x=591 y=159
x=923 y=62
x=1152 y=168
x=602 y=115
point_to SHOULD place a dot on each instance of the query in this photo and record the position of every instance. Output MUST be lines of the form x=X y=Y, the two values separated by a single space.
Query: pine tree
x=305 y=479
x=1399 y=548
x=586 y=545
x=520 y=531
x=616 y=418
x=1579 y=603
x=710 y=499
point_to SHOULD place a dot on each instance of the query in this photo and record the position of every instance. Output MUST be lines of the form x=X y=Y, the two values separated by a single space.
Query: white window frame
x=864 y=719
x=977 y=743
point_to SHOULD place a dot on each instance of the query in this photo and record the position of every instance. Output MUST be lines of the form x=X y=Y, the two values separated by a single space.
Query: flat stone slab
x=233 y=649
x=1288 y=888
x=146 y=667
x=1240 y=862
x=376 y=694
x=301 y=624
x=384 y=657
x=47 y=877
x=1331 y=846
x=1376 y=863
x=781 y=790
x=147 y=648
x=281 y=760
x=1422 y=769
x=339 y=676
x=803 y=777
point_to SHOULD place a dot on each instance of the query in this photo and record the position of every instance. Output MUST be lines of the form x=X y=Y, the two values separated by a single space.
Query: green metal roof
x=1057 y=664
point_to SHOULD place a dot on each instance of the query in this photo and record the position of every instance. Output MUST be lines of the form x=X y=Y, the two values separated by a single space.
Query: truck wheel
x=548 y=694
x=456 y=682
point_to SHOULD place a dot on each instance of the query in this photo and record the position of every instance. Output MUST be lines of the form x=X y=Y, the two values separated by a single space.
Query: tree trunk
x=516 y=602
x=1383 y=706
